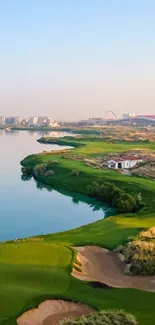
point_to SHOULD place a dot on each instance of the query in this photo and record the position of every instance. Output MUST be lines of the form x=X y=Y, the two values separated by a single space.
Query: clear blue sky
x=67 y=58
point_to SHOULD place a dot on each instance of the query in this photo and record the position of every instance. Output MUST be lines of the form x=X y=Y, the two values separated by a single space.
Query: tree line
x=123 y=202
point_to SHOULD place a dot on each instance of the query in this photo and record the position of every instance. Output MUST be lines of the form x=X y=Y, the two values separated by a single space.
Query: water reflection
x=27 y=207
x=36 y=133
x=77 y=198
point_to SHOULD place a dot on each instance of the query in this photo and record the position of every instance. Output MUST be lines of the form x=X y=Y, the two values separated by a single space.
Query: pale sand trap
x=51 y=312
x=105 y=266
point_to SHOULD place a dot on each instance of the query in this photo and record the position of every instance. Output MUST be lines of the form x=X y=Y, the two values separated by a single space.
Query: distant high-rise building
x=32 y=120
x=2 y=120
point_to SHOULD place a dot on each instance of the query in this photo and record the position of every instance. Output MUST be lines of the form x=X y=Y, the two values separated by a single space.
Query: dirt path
x=99 y=264
x=51 y=312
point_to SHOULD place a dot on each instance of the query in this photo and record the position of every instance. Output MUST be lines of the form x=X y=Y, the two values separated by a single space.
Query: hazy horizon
x=69 y=59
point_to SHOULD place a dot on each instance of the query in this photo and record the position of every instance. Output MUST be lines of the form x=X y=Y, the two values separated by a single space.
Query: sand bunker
x=51 y=312
x=103 y=265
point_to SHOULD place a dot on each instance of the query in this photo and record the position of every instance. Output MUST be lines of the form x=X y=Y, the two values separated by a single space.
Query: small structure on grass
x=124 y=162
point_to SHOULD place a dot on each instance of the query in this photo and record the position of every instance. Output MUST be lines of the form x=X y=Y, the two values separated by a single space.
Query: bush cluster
x=118 y=198
x=44 y=169
x=104 y=318
x=75 y=172
x=140 y=255
x=27 y=171
x=148 y=234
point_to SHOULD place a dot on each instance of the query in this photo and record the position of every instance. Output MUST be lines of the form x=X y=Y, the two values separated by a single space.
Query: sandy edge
x=102 y=265
x=51 y=312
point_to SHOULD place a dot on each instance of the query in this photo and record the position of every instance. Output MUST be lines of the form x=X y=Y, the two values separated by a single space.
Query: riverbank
x=73 y=130
x=112 y=231
x=37 y=269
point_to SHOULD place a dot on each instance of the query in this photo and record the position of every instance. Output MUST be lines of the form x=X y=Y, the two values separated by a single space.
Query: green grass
x=31 y=272
x=96 y=146
x=111 y=231
x=34 y=253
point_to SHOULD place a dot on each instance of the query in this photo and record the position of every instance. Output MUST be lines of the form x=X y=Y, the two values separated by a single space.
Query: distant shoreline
x=73 y=130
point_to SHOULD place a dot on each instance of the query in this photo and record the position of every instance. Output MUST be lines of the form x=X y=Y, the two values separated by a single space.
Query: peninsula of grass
x=112 y=231
x=36 y=269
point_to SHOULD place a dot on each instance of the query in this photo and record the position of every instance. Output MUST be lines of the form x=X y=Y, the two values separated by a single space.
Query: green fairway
x=111 y=231
x=97 y=146
x=35 y=253
x=31 y=272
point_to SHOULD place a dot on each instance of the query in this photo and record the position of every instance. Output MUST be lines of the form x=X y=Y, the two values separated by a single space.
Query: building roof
x=146 y=116
x=117 y=160
x=131 y=158
x=125 y=158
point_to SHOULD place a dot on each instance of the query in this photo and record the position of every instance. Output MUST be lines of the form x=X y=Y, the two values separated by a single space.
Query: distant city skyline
x=68 y=59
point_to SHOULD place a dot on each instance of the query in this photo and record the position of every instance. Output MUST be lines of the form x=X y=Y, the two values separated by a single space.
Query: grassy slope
x=112 y=231
x=30 y=272
x=95 y=146
x=35 y=271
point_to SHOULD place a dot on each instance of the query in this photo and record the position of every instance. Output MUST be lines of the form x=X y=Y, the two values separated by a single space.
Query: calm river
x=28 y=208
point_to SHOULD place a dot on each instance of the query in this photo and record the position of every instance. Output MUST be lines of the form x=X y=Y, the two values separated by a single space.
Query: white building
x=2 y=120
x=96 y=121
x=128 y=116
x=32 y=120
x=124 y=163
x=54 y=123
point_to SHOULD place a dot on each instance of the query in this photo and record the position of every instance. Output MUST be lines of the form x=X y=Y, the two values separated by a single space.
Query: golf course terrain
x=36 y=269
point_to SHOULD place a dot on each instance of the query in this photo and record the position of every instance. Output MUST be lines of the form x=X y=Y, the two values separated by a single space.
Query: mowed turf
x=30 y=272
x=97 y=146
x=109 y=232
x=35 y=253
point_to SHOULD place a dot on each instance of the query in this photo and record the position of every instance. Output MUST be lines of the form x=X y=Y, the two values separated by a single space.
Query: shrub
x=104 y=318
x=141 y=255
x=75 y=172
x=44 y=169
x=26 y=171
x=50 y=164
x=148 y=234
x=49 y=173
x=40 y=169
x=107 y=192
